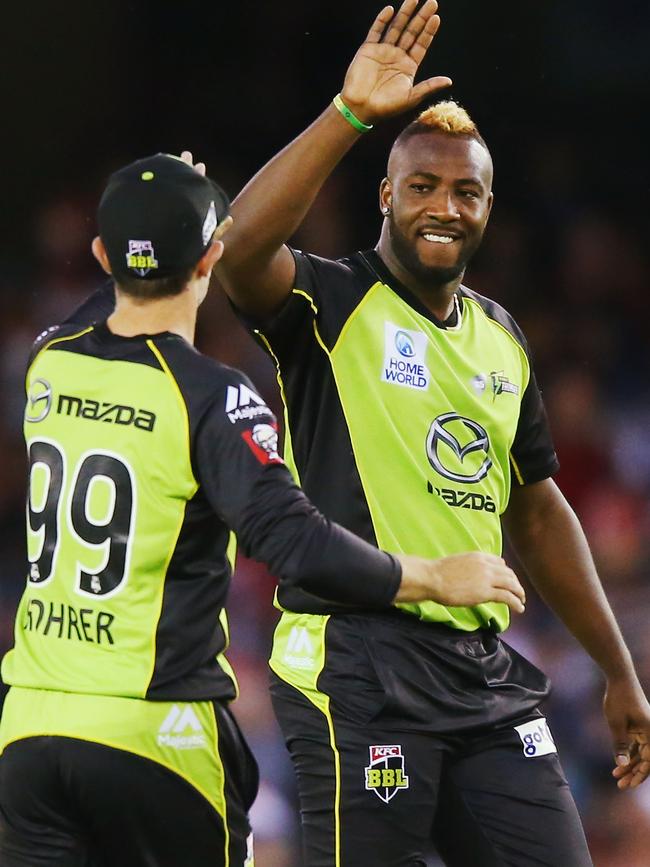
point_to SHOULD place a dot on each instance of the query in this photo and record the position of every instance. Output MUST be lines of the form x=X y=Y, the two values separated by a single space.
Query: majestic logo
x=263 y=442
x=242 y=404
x=446 y=454
x=404 y=344
x=181 y=730
x=385 y=774
x=404 y=357
x=39 y=401
x=501 y=384
x=464 y=499
x=536 y=738
x=113 y=413
x=299 y=652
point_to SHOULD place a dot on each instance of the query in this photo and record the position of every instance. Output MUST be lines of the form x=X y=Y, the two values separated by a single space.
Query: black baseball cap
x=157 y=217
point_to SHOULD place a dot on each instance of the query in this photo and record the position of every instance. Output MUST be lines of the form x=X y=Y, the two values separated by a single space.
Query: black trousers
x=426 y=736
x=74 y=803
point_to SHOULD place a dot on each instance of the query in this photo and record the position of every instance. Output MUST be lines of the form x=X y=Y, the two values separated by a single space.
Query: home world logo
x=404 y=357
x=181 y=729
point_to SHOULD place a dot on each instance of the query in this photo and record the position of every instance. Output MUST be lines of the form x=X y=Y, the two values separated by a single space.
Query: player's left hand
x=628 y=715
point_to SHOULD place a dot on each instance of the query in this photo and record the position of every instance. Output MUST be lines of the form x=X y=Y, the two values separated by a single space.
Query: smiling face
x=438 y=196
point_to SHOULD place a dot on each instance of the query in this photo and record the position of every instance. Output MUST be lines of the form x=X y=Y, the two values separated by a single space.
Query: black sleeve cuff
x=534 y=474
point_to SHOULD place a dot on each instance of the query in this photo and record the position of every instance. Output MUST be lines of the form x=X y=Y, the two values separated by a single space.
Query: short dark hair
x=163 y=287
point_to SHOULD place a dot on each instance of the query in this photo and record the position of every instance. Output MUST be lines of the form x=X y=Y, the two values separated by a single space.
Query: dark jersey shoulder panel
x=298 y=337
x=324 y=289
x=532 y=451
x=97 y=307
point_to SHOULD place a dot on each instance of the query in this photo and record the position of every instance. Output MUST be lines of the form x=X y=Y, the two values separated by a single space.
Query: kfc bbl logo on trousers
x=385 y=774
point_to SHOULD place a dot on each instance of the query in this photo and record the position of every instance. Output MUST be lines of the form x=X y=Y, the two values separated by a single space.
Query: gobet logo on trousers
x=536 y=738
x=385 y=774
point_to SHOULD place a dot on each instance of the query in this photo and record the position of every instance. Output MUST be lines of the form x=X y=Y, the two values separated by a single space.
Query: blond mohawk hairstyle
x=447 y=117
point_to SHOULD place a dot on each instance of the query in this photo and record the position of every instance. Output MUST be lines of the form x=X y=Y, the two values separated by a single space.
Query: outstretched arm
x=257 y=269
x=551 y=544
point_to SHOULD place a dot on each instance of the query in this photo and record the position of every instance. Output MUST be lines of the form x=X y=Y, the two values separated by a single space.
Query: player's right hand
x=460 y=579
x=380 y=80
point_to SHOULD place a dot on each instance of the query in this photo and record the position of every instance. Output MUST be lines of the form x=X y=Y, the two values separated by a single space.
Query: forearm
x=302 y=548
x=554 y=551
x=257 y=270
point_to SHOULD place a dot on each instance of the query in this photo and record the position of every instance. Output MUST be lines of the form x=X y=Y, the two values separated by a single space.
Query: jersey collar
x=376 y=264
x=104 y=333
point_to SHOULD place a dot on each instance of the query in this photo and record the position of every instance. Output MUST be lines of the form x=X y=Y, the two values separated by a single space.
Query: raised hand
x=380 y=80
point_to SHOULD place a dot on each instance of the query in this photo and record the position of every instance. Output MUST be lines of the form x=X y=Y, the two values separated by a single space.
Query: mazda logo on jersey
x=454 y=456
x=39 y=400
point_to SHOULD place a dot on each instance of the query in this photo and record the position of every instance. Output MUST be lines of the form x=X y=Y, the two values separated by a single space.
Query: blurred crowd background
x=558 y=91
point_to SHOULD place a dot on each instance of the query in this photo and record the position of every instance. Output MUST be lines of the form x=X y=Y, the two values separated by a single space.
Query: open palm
x=380 y=80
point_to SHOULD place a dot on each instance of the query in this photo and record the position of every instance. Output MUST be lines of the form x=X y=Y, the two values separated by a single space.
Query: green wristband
x=351 y=118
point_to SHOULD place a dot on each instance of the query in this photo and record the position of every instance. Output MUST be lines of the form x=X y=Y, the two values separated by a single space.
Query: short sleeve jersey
x=142 y=455
x=404 y=429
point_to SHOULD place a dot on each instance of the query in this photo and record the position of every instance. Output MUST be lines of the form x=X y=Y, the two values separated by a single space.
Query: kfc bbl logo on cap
x=141 y=257
x=385 y=774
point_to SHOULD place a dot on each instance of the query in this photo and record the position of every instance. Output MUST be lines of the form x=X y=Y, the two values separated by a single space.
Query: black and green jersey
x=144 y=455
x=406 y=430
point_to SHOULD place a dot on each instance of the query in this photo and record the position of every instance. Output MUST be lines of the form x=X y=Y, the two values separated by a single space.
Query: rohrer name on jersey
x=60 y=620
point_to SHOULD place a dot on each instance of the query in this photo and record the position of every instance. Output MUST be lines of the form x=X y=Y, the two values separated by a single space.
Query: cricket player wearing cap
x=117 y=745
